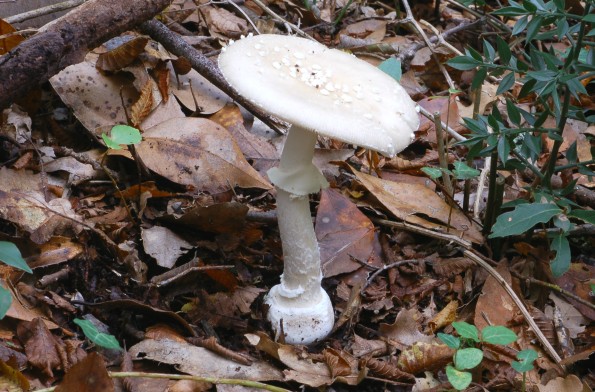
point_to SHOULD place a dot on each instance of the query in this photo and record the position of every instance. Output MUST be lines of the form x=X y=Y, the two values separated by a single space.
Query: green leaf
x=506 y=83
x=503 y=50
x=466 y=330
x=584 y=215
x=99 y=338
x=463 y=63
x=514 y=114
x=497 y=334
x=121 y=134
x=432 y=172
x=561 y=263
x=510 y=11
x=464 y=172
x=392 y=67
x=5 y=301
x=11 y=255
x=449 y=340
x=525 y=363
x=459 y=380
x=589 y=18
x=468 y=358
x=522 y=218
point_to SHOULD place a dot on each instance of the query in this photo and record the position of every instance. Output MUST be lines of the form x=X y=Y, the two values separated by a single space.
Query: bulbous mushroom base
x=301 y=324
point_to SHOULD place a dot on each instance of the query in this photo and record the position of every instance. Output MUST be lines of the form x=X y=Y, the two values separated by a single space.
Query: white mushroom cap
x=324 y=90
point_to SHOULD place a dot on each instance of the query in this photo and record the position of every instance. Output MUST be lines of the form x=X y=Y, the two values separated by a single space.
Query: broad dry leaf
x=405 y=329
x=445 y=317
x=417 y=204
x=201 y=362
x=363 y=347
x=57 y=250
x=41 y=346
x=257 y=150
x=344 y=233
x=89 y=375
x=570 y=383
x=224 y=24
x=494 y=303
x=164 y=245
x=488 y=97
x=198 y=152
x=122 y=55
x=304 y=370
x=6 y=44
x=220 y=218
x=570 y=317
x=143 y=105
x=425 y=357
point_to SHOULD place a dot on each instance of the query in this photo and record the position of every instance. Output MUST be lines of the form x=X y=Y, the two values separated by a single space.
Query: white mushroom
x=316 y=98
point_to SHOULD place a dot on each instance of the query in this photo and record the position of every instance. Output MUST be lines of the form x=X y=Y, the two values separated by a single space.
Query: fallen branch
x=66 y=40
x=176 y=44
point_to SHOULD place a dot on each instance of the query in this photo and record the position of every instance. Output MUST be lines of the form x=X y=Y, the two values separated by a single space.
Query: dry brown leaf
x=494 y=303
x=570 y=383
x=199 y=153
x=123 y=55
x=161 y=73
x=164 y=245
x=201 y=362
x=363 y=347
x=257 y=150
x=304 y=370
x=6 y=44
x=41 y=347
x=412 y=203
x=89 y=375
x=405 y=329
x=12 y=378
x=143 y=105
x=445 y=317
x=224 y=24
x=425 y=357
x=452 y=266
x=388 y=370
x=181 y=65
x=344 y=233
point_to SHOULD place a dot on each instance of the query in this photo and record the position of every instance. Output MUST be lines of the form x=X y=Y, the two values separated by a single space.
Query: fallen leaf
x=201 y=362
x=412 y=203
x=494 y=302
x=89 y=375
x=570 y=383
x=164 y=245
x=193 y=86
x=41 y=346
x=122 y=55
x=198 y=152
x=344 y=233
x=423 y=356
x=405 y=329
x=571 y=318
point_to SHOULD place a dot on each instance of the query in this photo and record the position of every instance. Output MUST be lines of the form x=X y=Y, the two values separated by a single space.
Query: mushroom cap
x=324 y=90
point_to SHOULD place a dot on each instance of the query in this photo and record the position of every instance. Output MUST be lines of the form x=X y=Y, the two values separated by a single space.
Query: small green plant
x=10 y=254
x=524 y=364
x=467 y=356
x=99 y=338
x=121 y=135
x=514 y=138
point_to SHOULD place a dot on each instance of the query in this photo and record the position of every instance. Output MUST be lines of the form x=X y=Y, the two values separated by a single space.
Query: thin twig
x=411 y=20
x=50 y=9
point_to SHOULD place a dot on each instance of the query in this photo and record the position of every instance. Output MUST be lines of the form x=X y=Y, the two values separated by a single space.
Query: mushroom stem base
x=301 y=324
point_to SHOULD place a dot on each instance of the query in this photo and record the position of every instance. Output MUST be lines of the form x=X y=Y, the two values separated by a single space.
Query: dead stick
x=66 y=41
x=175 y=44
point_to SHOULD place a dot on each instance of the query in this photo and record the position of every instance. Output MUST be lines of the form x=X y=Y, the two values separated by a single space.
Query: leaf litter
x=201 y=219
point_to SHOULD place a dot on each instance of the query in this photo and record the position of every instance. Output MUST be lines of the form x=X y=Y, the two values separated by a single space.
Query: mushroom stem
x=301 y=258
x=299 y=306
